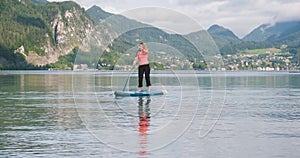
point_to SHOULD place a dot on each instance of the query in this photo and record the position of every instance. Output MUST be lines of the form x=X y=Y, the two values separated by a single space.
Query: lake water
x=203 y=114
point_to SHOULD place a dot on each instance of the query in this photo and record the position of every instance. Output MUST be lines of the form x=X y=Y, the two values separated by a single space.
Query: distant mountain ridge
x=280 y=34
x=290 y=36
x=272 y=32
x=219 y=30
x=98 y=14
x=222 y=36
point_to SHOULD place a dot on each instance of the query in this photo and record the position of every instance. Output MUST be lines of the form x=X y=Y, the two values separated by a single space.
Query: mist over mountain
x=272 y=32
x=280 y=34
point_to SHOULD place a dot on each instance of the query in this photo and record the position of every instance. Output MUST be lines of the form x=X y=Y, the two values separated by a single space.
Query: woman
x=144 y=67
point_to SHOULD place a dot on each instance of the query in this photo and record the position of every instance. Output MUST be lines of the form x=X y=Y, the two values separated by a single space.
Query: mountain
x=127 y=33
x=98 y=14
x=222 y=36
x=289 y=37
x=285 y=34
x=268 y=32
x=117 y=23
x=36 y=35
x=226 y=41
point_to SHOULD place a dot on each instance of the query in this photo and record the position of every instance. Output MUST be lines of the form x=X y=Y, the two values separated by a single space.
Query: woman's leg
x=147 y=76
x=141 y=74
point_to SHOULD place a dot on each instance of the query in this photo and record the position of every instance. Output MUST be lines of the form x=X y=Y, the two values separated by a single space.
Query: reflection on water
x=144 y=123
x=39 y=116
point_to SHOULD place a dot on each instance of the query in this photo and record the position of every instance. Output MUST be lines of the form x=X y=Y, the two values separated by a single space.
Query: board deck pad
x=136 y=93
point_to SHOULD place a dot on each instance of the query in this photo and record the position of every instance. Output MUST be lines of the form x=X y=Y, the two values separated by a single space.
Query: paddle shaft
x=127 y=79
x=129 y=74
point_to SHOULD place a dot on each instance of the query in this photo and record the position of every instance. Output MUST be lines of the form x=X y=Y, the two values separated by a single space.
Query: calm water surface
x=215 y=115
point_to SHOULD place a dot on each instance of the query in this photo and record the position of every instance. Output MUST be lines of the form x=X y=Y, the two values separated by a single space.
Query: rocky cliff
x=40 y=34
x=69 y=28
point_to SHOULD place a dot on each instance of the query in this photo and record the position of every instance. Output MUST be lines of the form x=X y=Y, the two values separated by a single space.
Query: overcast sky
x=240 y=16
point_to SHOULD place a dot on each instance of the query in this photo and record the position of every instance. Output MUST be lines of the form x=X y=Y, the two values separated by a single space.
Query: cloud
x=287 y=11
x=164 y=18
x=111 y=9
x=239 y=16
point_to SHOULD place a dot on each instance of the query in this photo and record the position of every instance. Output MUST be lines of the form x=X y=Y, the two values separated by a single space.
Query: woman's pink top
x=142 y=56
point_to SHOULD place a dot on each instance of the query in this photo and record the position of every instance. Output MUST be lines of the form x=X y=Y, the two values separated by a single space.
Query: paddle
x=128 y=78
x=130 y=73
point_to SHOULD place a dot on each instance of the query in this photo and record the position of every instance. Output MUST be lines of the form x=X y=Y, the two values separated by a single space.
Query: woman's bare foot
x=139 y=89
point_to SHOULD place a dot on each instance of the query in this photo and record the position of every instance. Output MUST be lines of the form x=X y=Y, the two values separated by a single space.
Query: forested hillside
x=282 y=35
x=32 y=36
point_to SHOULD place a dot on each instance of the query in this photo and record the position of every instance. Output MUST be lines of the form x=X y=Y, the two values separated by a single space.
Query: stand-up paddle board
x=137 y=94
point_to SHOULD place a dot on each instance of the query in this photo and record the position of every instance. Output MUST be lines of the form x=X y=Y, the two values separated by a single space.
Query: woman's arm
x=135 y=59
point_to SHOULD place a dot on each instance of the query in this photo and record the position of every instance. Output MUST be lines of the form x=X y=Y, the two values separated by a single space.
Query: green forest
x=27 y=25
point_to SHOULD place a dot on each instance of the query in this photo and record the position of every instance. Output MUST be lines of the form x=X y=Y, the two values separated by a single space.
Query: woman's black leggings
x=144 y=69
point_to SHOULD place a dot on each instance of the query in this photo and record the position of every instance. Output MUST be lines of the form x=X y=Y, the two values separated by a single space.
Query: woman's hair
x=144 y=45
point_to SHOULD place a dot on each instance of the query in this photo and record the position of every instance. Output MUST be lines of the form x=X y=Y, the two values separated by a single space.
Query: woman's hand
x=141 y=48
x=134 y=62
